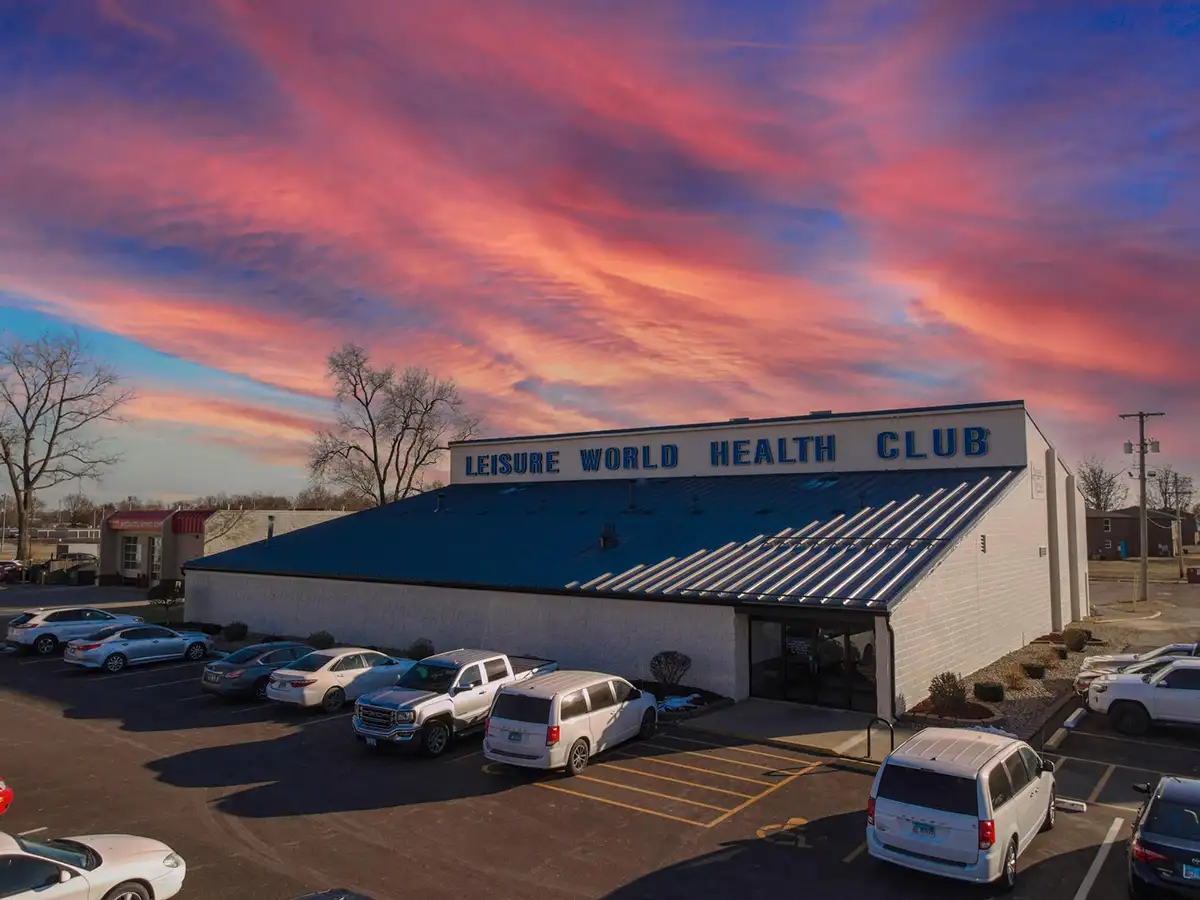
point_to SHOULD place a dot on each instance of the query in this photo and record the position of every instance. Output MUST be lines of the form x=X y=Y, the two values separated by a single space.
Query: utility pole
x=1143 y=447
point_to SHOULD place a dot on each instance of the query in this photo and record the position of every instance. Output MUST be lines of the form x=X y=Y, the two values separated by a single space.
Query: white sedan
x=328 y=678
x=89 y=867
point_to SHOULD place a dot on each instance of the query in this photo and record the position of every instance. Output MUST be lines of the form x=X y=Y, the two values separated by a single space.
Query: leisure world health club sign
x=853 y=445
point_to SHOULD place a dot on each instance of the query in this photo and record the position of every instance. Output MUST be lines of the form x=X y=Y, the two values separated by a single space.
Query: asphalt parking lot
x=273 y=804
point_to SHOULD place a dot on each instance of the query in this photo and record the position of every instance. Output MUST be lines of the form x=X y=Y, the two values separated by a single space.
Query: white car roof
x=8 y=844
x=953 y=751
x=560 y=682
x=1188 y=662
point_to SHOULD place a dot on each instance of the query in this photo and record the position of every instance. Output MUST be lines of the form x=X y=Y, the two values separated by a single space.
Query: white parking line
x=251 y=708
x=31 y=831
x=855 y=853
x=34 y=662
x=1101 y=854
x=150 y=687
x=148 y=671
x=1103 y=780
x=1130 y=740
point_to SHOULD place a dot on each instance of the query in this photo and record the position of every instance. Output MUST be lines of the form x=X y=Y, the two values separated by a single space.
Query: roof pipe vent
x=608 y=536
x=820 y=412
x=740 y=419
x=270 y=528
x=440 y=497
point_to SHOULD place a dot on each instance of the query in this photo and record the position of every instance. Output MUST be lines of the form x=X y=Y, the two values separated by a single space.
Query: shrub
x=1034 y=670
x=989 y=691
x=1014 y=677
x=947 y=693
x=1062 y=652
x=320 y=640
x=236 y=631
x=669 y=666
x=1075 y=639
x=211 y=629
x=420 y=648
x=1050 y=658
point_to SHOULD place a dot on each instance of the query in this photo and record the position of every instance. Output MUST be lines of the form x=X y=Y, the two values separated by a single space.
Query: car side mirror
x=1162 y=684
x=1046 y=766
x=65 y=875
x=1142 y=788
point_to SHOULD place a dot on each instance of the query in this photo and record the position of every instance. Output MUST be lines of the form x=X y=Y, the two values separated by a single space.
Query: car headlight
x=405 y=715
x=173 y=861
x=1099 y=687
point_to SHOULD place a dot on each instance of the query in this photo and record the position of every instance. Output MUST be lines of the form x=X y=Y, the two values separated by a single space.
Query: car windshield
x=931 y=790
x=70 y=852
x=1173 y=819
x=245 y=655
x=428 y=677
x=21 y=619
x=1151 y=654
x=1150 y=665
x=311 y=663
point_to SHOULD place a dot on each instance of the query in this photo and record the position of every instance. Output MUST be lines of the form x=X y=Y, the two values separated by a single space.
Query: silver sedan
x=118 y=646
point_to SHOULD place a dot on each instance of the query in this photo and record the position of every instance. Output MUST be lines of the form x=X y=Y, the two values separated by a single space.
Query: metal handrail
x=891 y=731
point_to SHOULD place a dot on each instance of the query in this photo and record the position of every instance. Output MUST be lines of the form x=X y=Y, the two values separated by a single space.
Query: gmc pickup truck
x=442 y=697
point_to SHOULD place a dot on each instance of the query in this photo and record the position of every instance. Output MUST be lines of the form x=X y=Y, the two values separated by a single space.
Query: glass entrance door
x=809 y=663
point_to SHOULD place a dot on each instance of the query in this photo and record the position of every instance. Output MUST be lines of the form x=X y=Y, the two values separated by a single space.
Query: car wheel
x=1048 y=822
x=195 y=651
x=45 y=645
x=260 y=688
x=577 y=757
x=649 y=724
x=1008 y=875
x=130 y=890
x=116 y=662
x=333 y=700
x=435 y=738
x=1131 y=718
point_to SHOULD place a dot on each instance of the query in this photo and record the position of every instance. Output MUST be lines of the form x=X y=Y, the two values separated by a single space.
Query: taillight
x=303 y=682
x=551 y=735
x=987 y=834
x=870 y=810
x=86 y=646
x=1142 y=854
x=235 y=674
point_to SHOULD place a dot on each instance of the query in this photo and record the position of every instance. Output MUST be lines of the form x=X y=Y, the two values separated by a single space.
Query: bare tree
x=78 y=507
x=1170 y=490
x=1103 y=488
x=391 y=429
x=51 y=391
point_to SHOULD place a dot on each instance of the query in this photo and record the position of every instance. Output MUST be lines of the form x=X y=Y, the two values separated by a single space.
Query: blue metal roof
x=717 y=539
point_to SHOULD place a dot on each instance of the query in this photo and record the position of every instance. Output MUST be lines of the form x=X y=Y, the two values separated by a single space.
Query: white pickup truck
x=442 y=697
x=1136 y=701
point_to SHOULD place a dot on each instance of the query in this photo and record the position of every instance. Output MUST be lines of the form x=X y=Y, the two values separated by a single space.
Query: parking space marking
x=253 y=707
x=1101 y=762
x=794 y=759
x=637 y=790
x=669 y=778
x=733 y=762
x=628 y=806
x=32 y=831
x=188 y=699
x=150 y=687
x=147 y=671
x=1130 y=740
x=855 y=853
x=1103 y=780
x=664 y=762
x=1101 y=854
x=34 y=662
x=748 y=803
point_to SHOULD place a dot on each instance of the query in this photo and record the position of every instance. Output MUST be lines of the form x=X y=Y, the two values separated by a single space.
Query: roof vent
x=740 y=419
x=608 y=536
x=440 y=497
x=821 y=412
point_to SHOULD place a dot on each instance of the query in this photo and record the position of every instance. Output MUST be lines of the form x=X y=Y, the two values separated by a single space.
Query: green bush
x=989 y=691
x=947 y=693
x=320 y=640
x=420 y=648
x=1075 y=639
x=669 y=666
x=236 y=631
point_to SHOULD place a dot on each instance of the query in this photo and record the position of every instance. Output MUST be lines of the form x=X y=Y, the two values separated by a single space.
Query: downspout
x=892 y=669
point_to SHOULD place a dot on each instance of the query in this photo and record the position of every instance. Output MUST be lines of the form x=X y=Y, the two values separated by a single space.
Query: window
x=1017 y=773
x=137 y=634
x=999 y=787
x=522 y=708
x=470 y=677
x=156 y=633
x=351 y=663
x=573 y=705
x=1107 y=525
x=19 y=874
x=497 y=669
x=377 y=660
x=96 y=615
x=1174 y=819
x=931 y=790
x=65 y=615
x=601 y=696
x=1182 y=680
x=623 y=689
x=312 y=662
x=250 y=654
x=1108 y=545
x=428 y=677
x=1032 y=763
x=129 y=553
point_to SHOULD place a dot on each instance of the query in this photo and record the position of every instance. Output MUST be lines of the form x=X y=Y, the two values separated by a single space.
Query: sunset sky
x=594 y=215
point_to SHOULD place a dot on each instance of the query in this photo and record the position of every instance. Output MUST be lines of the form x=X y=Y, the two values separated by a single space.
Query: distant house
x=144 y=546
x=1116 y=533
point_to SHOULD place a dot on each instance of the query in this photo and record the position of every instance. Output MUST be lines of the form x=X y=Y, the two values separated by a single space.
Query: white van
x=561 y=720
x=960 y=802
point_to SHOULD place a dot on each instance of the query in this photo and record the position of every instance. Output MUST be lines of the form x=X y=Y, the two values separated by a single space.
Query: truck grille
x=377 y=718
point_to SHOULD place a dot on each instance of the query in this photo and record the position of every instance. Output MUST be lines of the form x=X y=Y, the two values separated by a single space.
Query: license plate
x=922 y=829
x=371 y=742
x=70 y=651
x=212 y=677
x=514 y=735
x=1191 y=873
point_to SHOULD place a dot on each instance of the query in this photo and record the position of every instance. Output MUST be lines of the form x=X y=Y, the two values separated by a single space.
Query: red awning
x=190 y=521
x=137 y=519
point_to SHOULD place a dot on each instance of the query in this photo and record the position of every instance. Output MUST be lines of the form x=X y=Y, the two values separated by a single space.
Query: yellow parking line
x=626 y=787
x=669 y=778
x=741 y=806
x=629 y=806
x=793 y=759
x=733 y=762
x=663 y=762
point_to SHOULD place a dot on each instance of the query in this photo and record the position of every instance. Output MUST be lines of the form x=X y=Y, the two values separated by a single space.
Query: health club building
x=834 y=559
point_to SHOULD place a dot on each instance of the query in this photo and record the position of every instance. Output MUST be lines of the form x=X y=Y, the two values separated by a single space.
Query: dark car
x=244 y=673
x=1164 y=852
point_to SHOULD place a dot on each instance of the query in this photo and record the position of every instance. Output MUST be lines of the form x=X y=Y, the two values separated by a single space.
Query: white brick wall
x=974 y=607
x=618 y=636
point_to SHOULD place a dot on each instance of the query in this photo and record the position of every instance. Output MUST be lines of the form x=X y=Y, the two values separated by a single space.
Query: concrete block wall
x=974 y=607
x=617 y=636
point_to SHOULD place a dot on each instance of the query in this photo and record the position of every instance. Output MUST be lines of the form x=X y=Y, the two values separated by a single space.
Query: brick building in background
x=1116 y=533
x=144 y=546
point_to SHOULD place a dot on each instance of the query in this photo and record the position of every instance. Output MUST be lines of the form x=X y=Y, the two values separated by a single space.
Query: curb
x=854 y=763
x=668 y=717
x=1110 y=620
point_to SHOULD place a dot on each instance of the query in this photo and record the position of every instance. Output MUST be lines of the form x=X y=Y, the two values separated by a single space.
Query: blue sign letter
x=590 y=459
x=670 y=456
x=910 y=446
x=741 y=453
x=945 y=441
x=881 y=445
x=646 y=464
x=762 y=453
x=469 y=472
x=552 y=462
x=824 y=447
x=720 y=453
x=612 y=458
x=975 y=441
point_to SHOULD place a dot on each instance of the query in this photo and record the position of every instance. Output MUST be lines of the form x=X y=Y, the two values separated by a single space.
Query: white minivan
x=562 y=719
x=960 y=802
